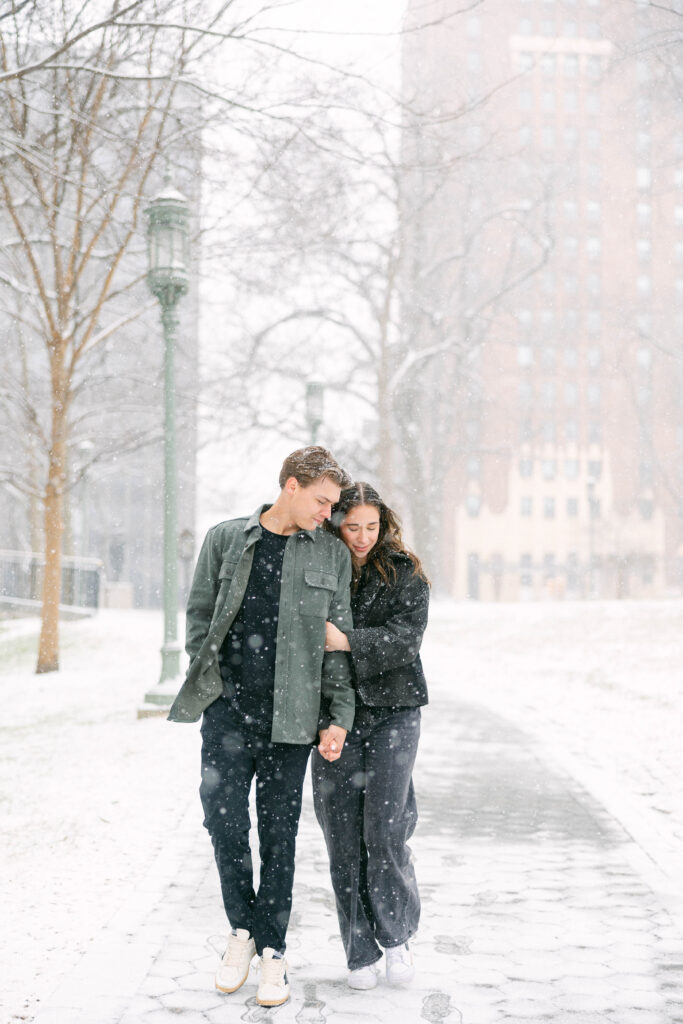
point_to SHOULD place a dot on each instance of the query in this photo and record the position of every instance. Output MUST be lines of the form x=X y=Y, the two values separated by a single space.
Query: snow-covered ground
x=90 y=794
x=600 y=684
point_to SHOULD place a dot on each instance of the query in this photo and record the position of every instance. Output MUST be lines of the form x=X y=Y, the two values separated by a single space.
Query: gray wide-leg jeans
x=365 y=804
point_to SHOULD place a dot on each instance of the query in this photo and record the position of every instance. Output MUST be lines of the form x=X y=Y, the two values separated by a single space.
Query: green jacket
x=316 y=577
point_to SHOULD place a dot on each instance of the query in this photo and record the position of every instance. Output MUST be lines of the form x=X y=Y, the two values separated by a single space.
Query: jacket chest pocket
x=226 y=573
x=317 y=592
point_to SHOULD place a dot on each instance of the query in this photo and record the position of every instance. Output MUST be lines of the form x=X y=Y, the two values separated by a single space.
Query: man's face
x=312 y=505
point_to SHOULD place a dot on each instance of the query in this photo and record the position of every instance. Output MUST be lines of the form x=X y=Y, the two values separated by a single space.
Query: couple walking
x=301 y=636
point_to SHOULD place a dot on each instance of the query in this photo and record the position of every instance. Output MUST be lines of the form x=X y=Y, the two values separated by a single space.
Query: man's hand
x=331 y=742
x=335 y=640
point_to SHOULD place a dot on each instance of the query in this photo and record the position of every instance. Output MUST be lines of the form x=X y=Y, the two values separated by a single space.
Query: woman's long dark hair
x=389 y=539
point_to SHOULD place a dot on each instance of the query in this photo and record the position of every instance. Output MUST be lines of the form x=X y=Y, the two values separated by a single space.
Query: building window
x=571 y=468
x=678 y=251
x=524 y=99
x=524 y=26
x=548 y=432
x=572 y=508
x=525 y=355
x=570 y=394
x=548 y=468
x=548 y=101
x=594 y=432
x=525 y=578
x=473 y=466
x=548 y=64
x=570 y=65
x=595 y=508
x=593 y=210
x=473 y=26
x=571 y=356
x=595 y=469
x=474 y=61
x=525 y=506
x=525 y=430
x=593 y=138
x=473 y=504
x=526 y=467
x=547 y=137
x=593 y=248
x=644 y=284
x=644 y=357
x=644 y=250
x=646 y=508
x=549 y=568
x=548 y=357
x=571 y=209
x=571 y=430
x=472 y=430
x=571 y=245
x=646 y=473
x=643 y=177
x=644 y=212
x=548 y=395
x=526 y=392
x=593 y=393
x=593 y=284
x=593 y=321
x=593 y=357
x=593 y=67
x=570 y=102
x=644 y=323
x=548 y=508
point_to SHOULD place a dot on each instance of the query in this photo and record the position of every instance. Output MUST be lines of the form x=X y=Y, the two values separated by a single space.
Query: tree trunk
x=48 y=648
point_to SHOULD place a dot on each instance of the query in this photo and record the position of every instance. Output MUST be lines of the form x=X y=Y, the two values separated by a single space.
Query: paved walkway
x=533 y=910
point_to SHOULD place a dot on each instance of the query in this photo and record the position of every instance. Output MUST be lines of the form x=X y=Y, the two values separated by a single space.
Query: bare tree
x=86 y=113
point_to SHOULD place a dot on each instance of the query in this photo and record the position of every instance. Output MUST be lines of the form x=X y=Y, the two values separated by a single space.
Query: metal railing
x=21 y=580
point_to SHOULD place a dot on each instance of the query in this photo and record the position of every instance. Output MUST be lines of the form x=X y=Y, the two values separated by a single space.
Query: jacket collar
x=253 y=527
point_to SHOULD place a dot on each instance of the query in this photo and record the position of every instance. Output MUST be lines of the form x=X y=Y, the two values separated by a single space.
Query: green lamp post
x=314 y=409
x=167 y=278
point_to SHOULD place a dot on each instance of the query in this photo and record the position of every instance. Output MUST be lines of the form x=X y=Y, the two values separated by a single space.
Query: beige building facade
x=565 y=456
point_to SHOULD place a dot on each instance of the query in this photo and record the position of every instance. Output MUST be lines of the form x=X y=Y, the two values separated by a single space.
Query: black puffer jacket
x=388 y=624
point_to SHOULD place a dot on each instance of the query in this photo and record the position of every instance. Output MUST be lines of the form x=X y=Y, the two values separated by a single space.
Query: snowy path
x=535 y=906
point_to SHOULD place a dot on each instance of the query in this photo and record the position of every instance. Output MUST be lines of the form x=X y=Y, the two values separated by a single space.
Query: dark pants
x=231 y=757
x=365 y=803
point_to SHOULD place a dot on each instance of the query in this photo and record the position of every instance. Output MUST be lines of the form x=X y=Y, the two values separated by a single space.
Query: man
x=261 y=594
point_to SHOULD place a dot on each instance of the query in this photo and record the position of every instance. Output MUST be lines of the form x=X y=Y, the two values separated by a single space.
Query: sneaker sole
x=272 y=1002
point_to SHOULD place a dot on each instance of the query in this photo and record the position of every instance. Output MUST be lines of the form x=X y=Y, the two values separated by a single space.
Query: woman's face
x=360 y=530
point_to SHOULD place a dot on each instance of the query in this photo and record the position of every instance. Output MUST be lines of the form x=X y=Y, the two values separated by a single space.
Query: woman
x=365 y=801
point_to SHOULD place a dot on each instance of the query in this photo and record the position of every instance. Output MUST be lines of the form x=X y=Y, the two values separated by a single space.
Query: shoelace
x=273 y=971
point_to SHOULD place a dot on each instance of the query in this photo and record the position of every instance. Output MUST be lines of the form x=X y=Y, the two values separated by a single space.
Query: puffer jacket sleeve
x=396 y=642
x=203 y=593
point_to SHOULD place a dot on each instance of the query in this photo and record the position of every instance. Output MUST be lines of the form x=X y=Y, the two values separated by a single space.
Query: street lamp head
x=168 y=245
x=314 y=401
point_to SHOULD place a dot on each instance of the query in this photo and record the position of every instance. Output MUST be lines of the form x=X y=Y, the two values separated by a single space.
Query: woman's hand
x=331 y=742
x=335 y=640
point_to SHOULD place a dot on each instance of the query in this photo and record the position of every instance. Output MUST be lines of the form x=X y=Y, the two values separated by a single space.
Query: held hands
x=331 y=742
x=335 y=640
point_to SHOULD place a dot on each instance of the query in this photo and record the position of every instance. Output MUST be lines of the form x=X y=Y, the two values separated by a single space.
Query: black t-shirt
x=247 y=657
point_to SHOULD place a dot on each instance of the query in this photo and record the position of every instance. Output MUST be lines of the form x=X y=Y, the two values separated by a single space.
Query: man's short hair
x=313 y=463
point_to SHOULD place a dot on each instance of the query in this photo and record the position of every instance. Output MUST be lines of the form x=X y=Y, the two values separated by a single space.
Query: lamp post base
x=158 y=700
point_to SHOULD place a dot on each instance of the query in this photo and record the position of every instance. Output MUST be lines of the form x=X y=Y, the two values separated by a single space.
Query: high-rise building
x=544 y=182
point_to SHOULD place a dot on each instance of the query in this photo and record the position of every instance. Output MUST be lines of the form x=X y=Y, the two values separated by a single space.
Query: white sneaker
x=234 y=967
x=400 y=970
x=273 y=986
x=364 y=977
